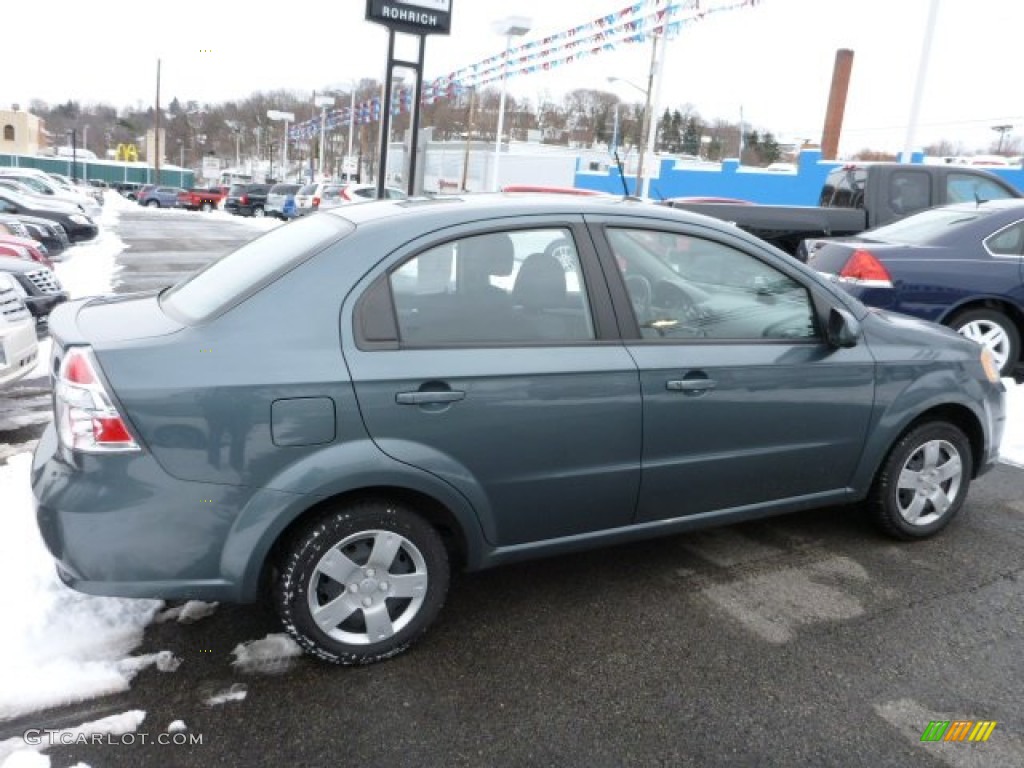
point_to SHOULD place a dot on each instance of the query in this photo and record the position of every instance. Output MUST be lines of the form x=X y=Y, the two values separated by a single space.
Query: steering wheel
x=641 y=294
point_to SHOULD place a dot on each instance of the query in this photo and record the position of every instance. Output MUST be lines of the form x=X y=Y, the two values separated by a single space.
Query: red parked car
x=23 y=248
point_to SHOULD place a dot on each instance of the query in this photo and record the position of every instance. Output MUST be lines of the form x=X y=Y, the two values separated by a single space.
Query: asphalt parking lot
x=803 y=640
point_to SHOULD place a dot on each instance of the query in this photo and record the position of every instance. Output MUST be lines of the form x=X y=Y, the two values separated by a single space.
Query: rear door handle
x=422 y=398
x=690 y=385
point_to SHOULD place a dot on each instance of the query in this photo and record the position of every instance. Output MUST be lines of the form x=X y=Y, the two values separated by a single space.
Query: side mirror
x=843 y=330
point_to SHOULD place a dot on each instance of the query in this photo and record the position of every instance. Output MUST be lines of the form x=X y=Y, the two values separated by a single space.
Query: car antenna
x=622 y=173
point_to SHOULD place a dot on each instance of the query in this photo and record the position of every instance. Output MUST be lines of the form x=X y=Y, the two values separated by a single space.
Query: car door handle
x=422 y=398
x=690 y=385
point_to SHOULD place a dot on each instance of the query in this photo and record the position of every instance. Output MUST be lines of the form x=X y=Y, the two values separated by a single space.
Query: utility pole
x=156 y=137
x=1002 y=130
x=469 y=137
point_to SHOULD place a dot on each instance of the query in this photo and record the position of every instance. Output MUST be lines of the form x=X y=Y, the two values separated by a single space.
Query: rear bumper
x=118 y=525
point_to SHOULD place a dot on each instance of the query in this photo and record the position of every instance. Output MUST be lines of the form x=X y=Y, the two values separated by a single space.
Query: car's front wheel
x=993 y=330
x=362 y=584
x=923 y=482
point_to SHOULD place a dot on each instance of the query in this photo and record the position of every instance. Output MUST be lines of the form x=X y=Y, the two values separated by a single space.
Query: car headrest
x=489 y=254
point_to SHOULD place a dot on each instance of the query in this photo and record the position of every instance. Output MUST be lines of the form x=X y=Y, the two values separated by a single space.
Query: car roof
x=450 y=210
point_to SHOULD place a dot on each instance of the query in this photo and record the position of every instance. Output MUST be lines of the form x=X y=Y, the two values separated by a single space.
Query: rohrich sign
x=417 y=17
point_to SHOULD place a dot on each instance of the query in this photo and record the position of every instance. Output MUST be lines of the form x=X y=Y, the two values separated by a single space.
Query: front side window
x=686 y=287
x=967 y=188
x=521 y=286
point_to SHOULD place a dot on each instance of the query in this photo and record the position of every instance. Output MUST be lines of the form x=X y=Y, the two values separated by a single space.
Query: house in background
x=21 y=132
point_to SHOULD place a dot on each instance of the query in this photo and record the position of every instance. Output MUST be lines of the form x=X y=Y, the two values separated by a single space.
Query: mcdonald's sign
x=127 y=153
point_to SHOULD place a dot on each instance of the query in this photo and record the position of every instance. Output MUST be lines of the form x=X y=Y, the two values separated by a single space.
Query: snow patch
x=189 y=613
x=271 y=655
x=18 y=749
x=1011 y=450
x=178 y=726
x=236 y=692
x=58 y=646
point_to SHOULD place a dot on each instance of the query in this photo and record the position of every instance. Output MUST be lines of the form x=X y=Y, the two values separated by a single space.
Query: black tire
x=935 y=463
x=152 y=203
x=993 y=329
x=206 y=206
x=258 y=212
x=345 y=543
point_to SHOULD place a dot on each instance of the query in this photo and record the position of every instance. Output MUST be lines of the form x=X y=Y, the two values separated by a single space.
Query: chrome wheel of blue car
x=361 y=585
x=924 y=481
x=993 y=330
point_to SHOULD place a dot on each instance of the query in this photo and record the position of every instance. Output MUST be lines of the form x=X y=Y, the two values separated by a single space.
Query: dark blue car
x=959 y=265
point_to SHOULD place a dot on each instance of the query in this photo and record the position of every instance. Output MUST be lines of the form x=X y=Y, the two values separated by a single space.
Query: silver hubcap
x=929 y=482
x=368 y=587
x=991 y=335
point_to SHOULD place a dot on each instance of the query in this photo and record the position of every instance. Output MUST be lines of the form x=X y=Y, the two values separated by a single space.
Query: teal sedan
x=345 y=409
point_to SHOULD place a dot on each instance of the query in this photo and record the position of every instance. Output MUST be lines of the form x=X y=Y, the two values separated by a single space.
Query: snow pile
x=1012 y=448
x=271 y=655
x=177 y=726
x=58 y=646
x=22 y=753
x=88 y=268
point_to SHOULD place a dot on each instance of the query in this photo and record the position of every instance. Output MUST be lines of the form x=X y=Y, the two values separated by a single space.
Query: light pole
x=287 y=117
x=323 y=102
x=643 y=126
x=513 y=26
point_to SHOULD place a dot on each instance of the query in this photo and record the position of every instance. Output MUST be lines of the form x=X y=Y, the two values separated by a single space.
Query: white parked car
x=18 y=345
x=46 y=185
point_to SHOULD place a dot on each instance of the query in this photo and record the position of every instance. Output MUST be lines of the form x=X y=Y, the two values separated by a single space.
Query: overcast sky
x=774 y=60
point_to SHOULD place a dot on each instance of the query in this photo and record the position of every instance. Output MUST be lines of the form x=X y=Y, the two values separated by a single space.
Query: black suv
x=247 y=199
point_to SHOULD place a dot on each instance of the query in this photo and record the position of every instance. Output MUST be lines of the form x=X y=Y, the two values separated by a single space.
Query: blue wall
x=755 y=185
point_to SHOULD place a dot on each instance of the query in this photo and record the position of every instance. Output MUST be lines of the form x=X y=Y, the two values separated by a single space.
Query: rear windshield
x=925 y=227
x=284 y=189
x=238 y=189
x=309 y=189
x=241 y=273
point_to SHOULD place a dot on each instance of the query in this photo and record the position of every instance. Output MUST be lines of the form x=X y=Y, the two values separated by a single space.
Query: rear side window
x=909 y=192
x=519 y=287
x=259 y=262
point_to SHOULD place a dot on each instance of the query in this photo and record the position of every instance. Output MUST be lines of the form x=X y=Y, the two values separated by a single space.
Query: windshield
x=225 y=282
x=925 y=227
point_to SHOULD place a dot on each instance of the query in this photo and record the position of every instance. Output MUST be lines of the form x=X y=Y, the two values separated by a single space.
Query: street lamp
x=323 y=102
x=516 y=26
x=615 y=138
x=1002 y=130
x=287 y=117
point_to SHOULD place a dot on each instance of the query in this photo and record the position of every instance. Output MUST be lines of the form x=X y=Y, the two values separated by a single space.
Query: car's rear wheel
x=993 y=330
x=362 y=584
x=923 y=482
x=207 y=206
x=258 y=212
x=153 y=204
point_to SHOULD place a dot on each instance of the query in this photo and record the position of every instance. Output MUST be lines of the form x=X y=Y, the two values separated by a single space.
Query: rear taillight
x=243 y=200
x=863 y=268
x=87 y=419
x=316 y=202
x=344 y=194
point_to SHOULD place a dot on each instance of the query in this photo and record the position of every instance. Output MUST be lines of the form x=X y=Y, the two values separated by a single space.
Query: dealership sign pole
x=413 y=17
